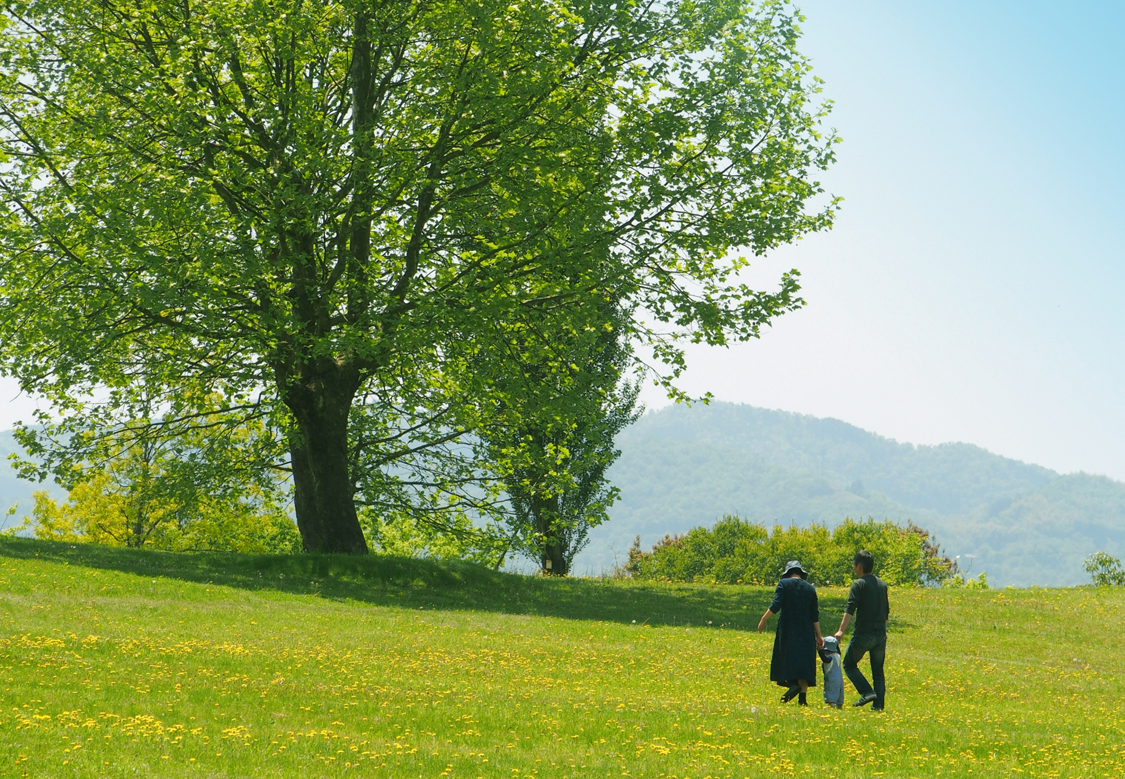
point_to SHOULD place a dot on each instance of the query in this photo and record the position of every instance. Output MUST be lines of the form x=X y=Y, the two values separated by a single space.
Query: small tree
x=147 y=484
x=1104 y=570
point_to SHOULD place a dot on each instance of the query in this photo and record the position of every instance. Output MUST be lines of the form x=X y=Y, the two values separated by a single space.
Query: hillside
x=125 y=663
x=949 y=479
x=1043 y=536
x=683 y=467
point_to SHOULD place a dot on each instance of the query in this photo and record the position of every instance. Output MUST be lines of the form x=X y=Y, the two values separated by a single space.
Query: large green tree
x=275 y=208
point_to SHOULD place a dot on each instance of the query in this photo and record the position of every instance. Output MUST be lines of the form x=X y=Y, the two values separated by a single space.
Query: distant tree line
x=735 y=551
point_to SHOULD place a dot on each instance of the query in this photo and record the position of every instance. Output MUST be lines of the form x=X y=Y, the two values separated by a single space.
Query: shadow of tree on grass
x=404 y=582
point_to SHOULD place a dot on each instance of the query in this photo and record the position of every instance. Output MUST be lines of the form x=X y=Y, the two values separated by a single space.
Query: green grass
x=125 y=663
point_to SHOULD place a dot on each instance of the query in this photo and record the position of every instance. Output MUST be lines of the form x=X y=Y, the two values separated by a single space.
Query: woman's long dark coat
x=794 y=643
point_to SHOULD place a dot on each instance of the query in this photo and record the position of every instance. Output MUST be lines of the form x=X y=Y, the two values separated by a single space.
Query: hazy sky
x=972 y=288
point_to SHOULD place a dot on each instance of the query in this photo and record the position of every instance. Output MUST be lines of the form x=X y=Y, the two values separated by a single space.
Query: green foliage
x=11 y=512
x=144 y=485
x=322 y=215
x=95 y=514
x=454 y=538
x=739 y=552
x=552 y=437
x=1104 y=570
x=969 y=583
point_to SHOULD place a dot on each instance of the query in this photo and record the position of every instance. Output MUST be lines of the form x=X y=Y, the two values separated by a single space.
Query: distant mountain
x=1043 y=536
x=684 y=467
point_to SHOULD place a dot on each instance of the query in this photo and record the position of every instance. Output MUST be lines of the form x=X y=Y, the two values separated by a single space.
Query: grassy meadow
x=125 y=663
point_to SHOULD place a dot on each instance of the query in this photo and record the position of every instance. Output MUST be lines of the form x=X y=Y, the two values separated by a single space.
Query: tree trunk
x=323 y=493
x=553 y=556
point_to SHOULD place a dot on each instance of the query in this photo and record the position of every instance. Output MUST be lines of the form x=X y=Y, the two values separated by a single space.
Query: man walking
x=868 y=597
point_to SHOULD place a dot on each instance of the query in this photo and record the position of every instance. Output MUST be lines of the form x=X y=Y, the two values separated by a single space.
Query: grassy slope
x=116 y=663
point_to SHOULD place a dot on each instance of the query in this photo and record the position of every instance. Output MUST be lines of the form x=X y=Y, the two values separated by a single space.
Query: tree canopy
x=321 y=216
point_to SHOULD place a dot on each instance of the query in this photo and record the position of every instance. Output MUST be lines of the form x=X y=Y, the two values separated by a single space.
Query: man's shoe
x=879 y=709
x=791 y=693
x=865 y=699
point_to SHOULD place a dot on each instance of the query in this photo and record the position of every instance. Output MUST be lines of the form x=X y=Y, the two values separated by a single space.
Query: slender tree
x=552 y=433
x=287 y=206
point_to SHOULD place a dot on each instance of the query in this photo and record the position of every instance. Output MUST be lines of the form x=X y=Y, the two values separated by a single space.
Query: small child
x=833 y=673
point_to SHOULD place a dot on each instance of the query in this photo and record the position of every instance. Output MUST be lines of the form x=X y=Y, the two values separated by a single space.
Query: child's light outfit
x=833 y=673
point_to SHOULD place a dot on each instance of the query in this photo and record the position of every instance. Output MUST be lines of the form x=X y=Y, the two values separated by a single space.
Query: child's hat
x=831 y=644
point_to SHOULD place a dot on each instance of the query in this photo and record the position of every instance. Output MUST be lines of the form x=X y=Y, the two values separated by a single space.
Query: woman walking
x=798 y=633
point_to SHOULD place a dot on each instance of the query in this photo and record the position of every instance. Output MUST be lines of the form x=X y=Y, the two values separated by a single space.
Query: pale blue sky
x=972 y=289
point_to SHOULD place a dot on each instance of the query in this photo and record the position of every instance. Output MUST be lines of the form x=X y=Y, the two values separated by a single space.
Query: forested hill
x=683 y=467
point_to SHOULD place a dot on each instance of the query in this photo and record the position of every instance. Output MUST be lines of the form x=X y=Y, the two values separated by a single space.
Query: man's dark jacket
x=868 y=596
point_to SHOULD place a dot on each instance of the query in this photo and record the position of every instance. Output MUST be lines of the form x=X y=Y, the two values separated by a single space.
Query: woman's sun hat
x=794 y=565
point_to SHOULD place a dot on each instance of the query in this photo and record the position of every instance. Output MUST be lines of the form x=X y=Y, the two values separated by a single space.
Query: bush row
x=735 y=551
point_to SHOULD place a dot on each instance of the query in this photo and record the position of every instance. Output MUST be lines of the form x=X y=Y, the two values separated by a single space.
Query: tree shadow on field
x=411 y=583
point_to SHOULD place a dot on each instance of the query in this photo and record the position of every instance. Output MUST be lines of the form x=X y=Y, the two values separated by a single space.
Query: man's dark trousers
x=874 y=644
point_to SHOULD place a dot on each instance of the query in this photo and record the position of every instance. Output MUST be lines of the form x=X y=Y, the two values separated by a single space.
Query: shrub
x=94 y=513
x=736 y=551
x=1104 y=570
x=979 y=583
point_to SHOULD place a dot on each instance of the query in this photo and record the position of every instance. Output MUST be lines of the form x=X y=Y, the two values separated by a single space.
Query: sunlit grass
x=115 y=663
